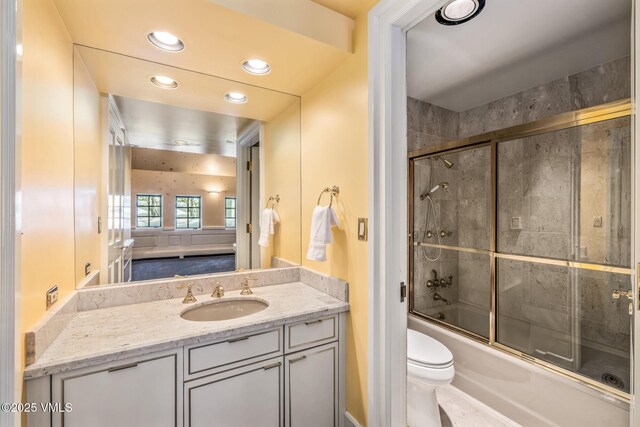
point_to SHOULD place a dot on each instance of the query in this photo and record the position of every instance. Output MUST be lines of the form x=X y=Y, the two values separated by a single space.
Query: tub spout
x=438 y=297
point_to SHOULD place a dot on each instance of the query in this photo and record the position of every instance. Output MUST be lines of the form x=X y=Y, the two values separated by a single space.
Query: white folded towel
x=268 y=220
x=321 y=221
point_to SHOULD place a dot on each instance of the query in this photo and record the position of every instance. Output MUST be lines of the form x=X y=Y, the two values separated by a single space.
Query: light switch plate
x=597 y=221
x=363 y=232
x=52 y=296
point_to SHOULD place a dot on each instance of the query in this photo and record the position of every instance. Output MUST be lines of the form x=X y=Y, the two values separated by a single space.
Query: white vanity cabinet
x=247 y=396
x=311 y=392
x=286 y=376
x=131 y=393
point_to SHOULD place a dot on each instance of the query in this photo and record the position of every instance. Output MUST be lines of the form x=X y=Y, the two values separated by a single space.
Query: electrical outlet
x=87 y=269
x=52 y=296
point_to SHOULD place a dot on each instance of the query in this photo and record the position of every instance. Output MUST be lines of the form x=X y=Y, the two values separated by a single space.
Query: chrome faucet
x=438 y=297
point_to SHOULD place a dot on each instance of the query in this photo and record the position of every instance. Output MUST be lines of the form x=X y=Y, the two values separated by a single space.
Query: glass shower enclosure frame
x=576 y=268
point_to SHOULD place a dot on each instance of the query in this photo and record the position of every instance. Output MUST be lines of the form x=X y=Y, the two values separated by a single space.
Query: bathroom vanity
x=145 y=365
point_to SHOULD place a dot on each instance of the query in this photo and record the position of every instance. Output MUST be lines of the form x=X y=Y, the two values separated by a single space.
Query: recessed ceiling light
x=459 y=11
x=236 y=98
x=165 y=41
x=256 y=66
x=164 y=82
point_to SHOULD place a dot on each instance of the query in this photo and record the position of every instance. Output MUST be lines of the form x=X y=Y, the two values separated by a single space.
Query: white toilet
x=429 y=365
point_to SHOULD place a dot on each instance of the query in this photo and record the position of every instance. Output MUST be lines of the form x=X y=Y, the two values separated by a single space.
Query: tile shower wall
x=430 y=125
x=535 y=214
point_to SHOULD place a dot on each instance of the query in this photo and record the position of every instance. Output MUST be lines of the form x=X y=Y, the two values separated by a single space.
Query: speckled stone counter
x=108 y=334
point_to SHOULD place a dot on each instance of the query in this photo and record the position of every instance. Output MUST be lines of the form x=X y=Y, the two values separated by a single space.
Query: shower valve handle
x=627 y=294
x=618 y=293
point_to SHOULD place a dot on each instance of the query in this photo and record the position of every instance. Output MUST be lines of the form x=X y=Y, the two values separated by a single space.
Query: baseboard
x=349 y=421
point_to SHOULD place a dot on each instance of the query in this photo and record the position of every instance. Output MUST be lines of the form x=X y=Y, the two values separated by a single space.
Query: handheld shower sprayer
x=434 y=189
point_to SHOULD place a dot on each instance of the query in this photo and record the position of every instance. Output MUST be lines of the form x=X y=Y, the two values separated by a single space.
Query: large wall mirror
x=180 y=173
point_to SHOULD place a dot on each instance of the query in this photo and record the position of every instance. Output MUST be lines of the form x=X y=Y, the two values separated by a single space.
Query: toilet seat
x=424 y=351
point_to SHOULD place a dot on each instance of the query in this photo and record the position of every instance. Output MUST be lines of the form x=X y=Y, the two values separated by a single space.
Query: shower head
x=434 y=189
x=446 y=162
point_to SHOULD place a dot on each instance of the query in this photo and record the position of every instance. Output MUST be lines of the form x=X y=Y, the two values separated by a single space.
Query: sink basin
x=224 y=309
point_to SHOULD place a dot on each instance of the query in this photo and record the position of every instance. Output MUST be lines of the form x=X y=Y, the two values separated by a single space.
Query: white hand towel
x=268 y=220
x=321 y=221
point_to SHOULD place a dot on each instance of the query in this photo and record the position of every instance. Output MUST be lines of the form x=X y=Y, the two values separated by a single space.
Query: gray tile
x=472 y=121
x=605 y=83
x=413 y=114
x=546 y=100
x=503 y=113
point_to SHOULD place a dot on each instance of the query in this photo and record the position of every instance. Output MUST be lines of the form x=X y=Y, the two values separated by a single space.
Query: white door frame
x=635 y=228
x=247 y=139
x=10 y=369
x=388 y=23
x=387 y=372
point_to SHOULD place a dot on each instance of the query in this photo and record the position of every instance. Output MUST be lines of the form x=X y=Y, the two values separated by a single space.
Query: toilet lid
x=426 y=351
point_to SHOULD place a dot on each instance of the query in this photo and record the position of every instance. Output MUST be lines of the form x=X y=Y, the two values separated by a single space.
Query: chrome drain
x=612 y=380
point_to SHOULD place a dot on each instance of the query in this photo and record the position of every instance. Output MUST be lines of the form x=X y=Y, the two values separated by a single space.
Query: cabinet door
x=248 y=396
x=131 y=394
x=311 y=389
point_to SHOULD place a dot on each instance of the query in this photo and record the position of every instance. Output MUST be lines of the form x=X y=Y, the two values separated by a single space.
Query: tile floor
x=462 y=410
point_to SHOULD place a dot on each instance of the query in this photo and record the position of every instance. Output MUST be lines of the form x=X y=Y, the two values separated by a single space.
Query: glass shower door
x=451 y=239
x=563 y=262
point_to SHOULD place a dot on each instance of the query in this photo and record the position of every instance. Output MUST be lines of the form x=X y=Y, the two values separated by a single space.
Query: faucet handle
x=246 y=290
x=218 y=291
x=189 y=298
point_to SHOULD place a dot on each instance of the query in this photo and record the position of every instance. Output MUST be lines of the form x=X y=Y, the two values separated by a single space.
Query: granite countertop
x=104 y=335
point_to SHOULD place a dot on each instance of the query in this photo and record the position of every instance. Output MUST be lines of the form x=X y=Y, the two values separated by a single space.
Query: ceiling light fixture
x=164 y=82
x=165 y=41
x=459 y=11
x=235 y=98
x=256 y=66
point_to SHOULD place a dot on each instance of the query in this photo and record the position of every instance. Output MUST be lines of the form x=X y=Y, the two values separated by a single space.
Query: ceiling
x=350 y=8
x=511 y=46
x=169 y=161
x=217 y=39
x=155 y=125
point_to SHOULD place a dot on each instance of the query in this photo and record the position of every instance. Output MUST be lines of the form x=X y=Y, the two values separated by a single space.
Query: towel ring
x=274 y=200
x=334 y=192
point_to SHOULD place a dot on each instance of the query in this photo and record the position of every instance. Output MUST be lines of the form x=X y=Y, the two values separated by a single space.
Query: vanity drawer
x=311 y=333
x=233 y=352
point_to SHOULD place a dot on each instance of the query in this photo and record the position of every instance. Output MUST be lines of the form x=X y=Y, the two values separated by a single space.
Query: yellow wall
x=88 y=162
x=334 y=152
x=47 y=159
x=280 y=151
x=172 y=184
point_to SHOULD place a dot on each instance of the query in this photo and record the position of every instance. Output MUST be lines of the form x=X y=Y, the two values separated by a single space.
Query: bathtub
x=522 y=391
x=464 y=316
